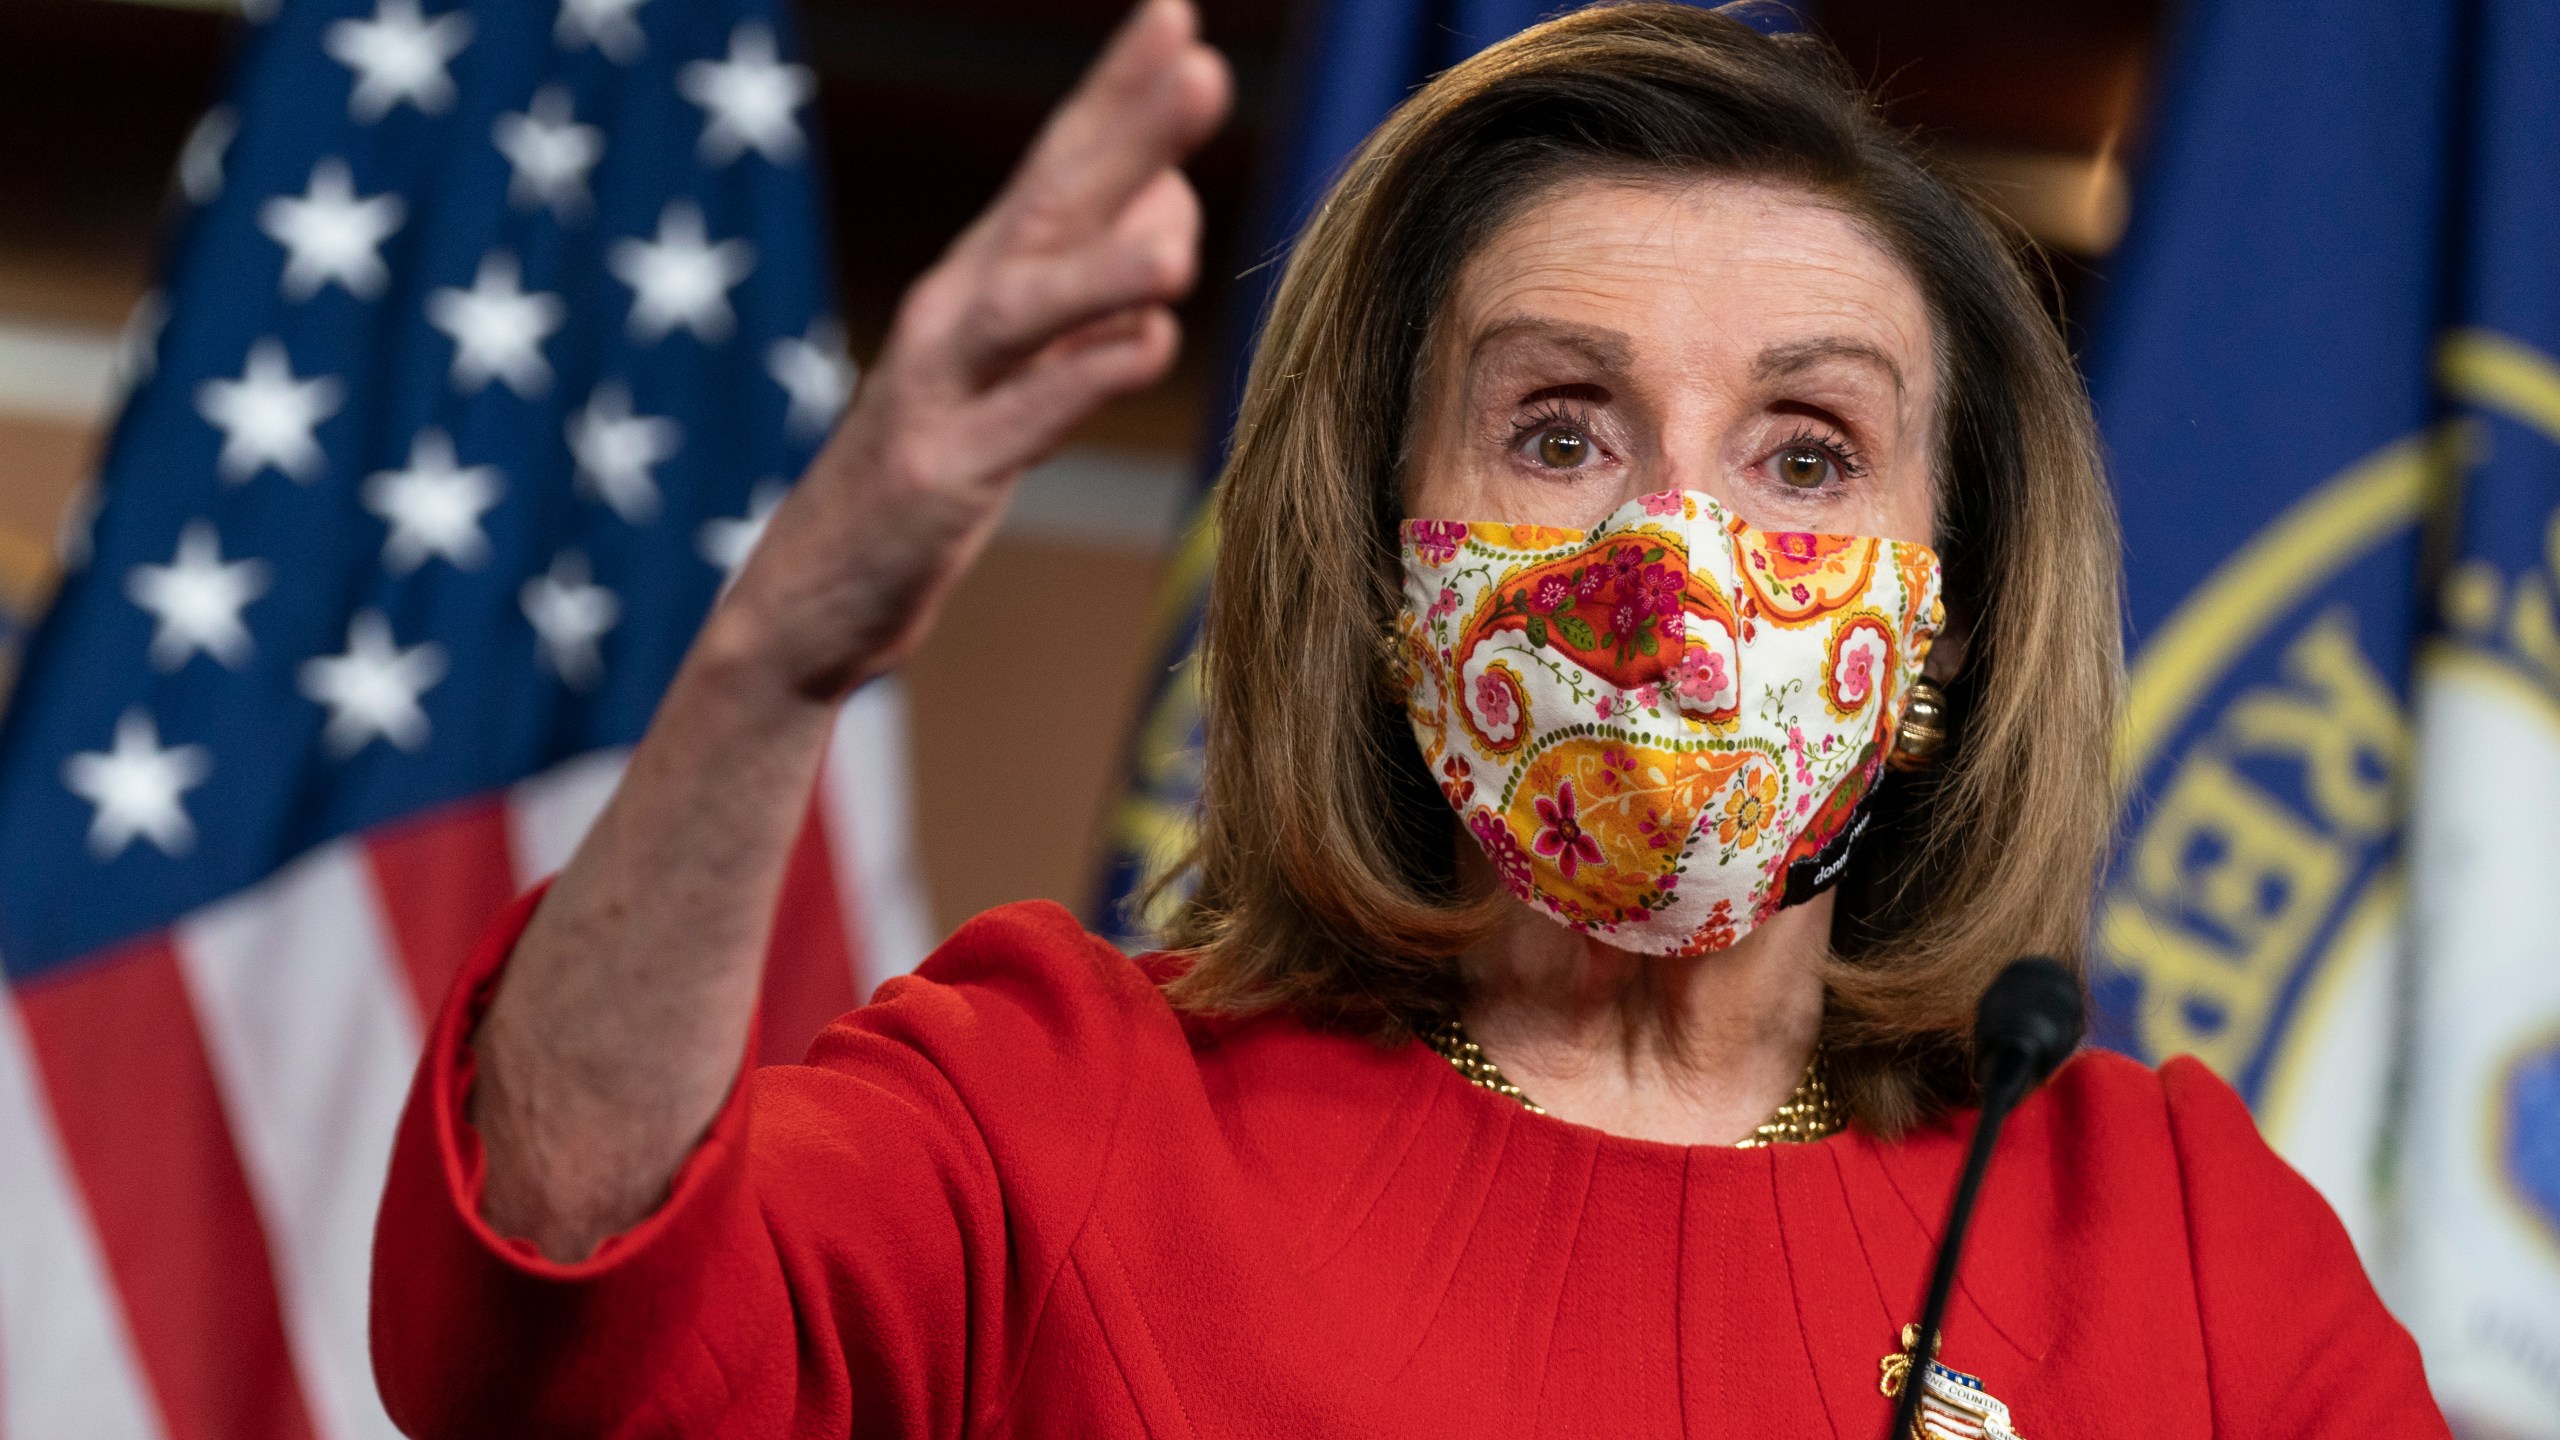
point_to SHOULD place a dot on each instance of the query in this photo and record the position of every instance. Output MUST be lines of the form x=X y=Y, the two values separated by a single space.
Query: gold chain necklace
x=1807 y=1115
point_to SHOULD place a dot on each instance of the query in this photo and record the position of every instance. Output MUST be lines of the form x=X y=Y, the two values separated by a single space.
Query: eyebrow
x=1788 y=359
x=1607 y=349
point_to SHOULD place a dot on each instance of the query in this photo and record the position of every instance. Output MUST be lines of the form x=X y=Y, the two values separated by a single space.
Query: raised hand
x=1053 y=302
x=616 y=1030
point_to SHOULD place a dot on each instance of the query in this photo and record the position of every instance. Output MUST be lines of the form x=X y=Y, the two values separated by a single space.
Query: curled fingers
x=1029 y=415
x=1023 y=302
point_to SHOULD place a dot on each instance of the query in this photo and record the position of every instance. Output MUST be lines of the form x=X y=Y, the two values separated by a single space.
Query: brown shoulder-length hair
x=1325 y=867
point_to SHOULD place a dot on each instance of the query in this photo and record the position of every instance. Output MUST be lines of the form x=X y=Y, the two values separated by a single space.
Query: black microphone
x=2028 y=1023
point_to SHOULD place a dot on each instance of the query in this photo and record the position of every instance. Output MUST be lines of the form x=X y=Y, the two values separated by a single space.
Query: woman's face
x=1618 y=338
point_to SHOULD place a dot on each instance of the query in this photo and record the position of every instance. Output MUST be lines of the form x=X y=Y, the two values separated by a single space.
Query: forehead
x=1692 y=270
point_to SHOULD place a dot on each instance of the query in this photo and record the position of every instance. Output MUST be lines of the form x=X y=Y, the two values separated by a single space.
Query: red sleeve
x=2296 y=1341
x=838 y=1249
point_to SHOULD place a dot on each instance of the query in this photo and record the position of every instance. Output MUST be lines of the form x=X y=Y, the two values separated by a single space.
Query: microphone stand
x=2012 y=1075
x=2026 y=1025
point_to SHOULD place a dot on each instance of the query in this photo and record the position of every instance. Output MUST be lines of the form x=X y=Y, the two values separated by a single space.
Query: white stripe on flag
x=871 y=834
x=549 y=814
x=312 y=1034
x=67 y=1366
x=863 y=797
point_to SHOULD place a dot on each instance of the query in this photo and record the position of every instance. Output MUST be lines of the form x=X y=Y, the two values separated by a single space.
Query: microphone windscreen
x=2031 y=1018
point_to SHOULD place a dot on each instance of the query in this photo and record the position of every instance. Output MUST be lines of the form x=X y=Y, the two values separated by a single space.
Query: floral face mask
x=1664 y=730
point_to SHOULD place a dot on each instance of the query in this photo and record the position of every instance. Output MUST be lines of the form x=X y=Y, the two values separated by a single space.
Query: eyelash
x=1560 y=415
x=1553 y=415
x=1853 y=466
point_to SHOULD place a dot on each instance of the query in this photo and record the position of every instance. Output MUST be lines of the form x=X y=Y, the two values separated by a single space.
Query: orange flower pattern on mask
x=1749 y=807
x=1643 y=724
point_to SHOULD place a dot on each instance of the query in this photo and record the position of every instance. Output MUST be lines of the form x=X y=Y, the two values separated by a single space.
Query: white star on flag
x=606 y=24
x=728 y=542
x=498 y=328
x=136 y=786
x=434 y=506
x=551 y=153
x=681 y=278
x=197 y=599
x=747 y=100
x=817 y=374
x=569 y=614
x=398 y=55
x=200 y=158
x=616 y=451
x=372 y=689
x=267 y=416
x=329 y=234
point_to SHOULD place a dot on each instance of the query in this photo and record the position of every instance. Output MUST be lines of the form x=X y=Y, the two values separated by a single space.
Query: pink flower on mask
x=1702 y=676
x=1660 y=831
x=1857 y=672
x=1657 y=591
x=1437 y=540
x=1493 y=700
x=1447 y=604
x=1673 y=625
x=1665 y=502
x=1560 y=835
x=1510 y=862
x=1551 y=596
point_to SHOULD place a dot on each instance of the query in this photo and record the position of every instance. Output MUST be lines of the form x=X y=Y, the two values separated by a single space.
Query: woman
x=1566 y=1032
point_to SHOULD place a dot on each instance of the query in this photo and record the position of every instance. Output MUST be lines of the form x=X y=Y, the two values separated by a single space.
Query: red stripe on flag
x=142 y=1123
x=808 y=972
x=442 y=878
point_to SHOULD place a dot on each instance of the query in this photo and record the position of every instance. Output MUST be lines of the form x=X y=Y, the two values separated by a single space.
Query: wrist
x=746 y=660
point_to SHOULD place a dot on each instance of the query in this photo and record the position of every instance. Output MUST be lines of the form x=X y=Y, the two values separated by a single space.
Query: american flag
x=492 y=333
x=1954 y=1406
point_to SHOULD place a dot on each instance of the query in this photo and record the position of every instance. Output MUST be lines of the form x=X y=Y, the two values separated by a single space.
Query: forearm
x=622 y=1018
x=621 y=1021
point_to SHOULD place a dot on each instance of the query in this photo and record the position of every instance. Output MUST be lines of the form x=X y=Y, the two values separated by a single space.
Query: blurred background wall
x=1023 y=699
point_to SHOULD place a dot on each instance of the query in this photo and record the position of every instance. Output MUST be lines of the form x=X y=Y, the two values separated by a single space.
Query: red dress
x=1020 y=1195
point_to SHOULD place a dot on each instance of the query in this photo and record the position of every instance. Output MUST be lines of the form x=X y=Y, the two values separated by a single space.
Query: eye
x=1810 y=462
x=1563 y=449
x=1803 y=467
x=1557 y=436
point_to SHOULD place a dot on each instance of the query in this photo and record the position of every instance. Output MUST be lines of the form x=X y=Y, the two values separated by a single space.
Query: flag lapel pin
x=1953 y=1405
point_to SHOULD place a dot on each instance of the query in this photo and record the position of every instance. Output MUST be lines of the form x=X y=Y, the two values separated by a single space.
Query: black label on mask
x=1812 y=874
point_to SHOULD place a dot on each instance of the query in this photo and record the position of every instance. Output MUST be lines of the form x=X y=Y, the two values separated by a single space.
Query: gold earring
x=1922 y=734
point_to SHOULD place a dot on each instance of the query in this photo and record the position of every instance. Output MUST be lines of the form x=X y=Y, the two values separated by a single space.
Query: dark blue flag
x=2326 y=376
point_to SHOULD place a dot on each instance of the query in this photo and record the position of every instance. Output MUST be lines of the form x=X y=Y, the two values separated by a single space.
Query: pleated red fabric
x=1018 y=1194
